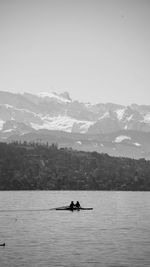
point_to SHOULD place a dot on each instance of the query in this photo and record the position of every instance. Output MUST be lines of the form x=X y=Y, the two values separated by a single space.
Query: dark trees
x=33 y=166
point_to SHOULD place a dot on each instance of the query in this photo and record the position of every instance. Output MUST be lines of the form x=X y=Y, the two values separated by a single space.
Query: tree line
x=35 y=166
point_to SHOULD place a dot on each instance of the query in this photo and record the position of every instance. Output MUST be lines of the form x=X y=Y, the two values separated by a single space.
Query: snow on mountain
x=121 y=138
x=22 y=115
x=125 y=114
x=61 y=123
x=146 y=118
x=1 y=124
x=7 y=106
x=8 y=131
x=64 y=97
x=21 y=110
x=54 y=111
x=137 y=144
x=120 y=113
x=79 y=143
x=105 y=115
x=130 y=117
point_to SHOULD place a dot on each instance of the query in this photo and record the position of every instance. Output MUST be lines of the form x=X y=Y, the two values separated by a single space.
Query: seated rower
x=77 y=205
x=71 y=205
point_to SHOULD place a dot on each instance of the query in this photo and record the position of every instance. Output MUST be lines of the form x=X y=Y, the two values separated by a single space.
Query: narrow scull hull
x=74 y=209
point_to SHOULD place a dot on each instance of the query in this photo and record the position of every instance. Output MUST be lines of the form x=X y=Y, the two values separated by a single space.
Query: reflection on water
x=115 y=234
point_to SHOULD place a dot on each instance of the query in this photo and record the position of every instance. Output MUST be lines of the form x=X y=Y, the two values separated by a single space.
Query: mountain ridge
x=99 y=118
x=29 y=114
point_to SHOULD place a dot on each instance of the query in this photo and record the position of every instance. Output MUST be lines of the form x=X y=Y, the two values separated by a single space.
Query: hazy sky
x=97 y=50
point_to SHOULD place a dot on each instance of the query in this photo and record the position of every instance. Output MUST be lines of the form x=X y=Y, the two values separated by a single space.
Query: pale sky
x=97 y=50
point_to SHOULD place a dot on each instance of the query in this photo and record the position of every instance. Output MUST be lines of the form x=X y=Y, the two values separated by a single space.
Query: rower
x=77 y=205
x=71 y=205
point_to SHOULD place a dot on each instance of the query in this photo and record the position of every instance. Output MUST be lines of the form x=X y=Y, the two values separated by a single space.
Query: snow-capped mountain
x=26 y=114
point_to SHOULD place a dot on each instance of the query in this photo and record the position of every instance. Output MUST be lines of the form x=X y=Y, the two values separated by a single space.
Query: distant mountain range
x=109 y=128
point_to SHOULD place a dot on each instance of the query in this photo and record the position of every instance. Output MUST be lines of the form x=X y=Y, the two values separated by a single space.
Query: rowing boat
x=73 y=209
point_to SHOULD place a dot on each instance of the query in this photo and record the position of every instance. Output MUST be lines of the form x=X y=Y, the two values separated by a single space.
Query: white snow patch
x=101 y=145
x=105 y=115
x=120 y=113
x=8 y=131
x=84 y=125
x=62 y=123
x=121 y=138
x=147 y=118
x=88 y=105
x=79 y=142
x=1 y=124
x=6 y=105
x=130 y=117
x=53 y=95
x=27 y=111
x=21 y=110
x=137 y=144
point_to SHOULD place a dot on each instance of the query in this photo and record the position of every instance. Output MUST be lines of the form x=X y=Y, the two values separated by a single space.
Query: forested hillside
x=33 y=166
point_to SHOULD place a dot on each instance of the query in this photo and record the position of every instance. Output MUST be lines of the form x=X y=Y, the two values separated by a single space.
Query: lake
x=116 y=233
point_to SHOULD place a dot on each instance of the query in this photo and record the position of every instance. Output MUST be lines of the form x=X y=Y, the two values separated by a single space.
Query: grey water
x=116 y=233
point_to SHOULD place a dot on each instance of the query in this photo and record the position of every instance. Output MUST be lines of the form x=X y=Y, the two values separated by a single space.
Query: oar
x=59 y=207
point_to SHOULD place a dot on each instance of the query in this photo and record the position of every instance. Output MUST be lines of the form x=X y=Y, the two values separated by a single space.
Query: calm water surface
x=115 y=234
